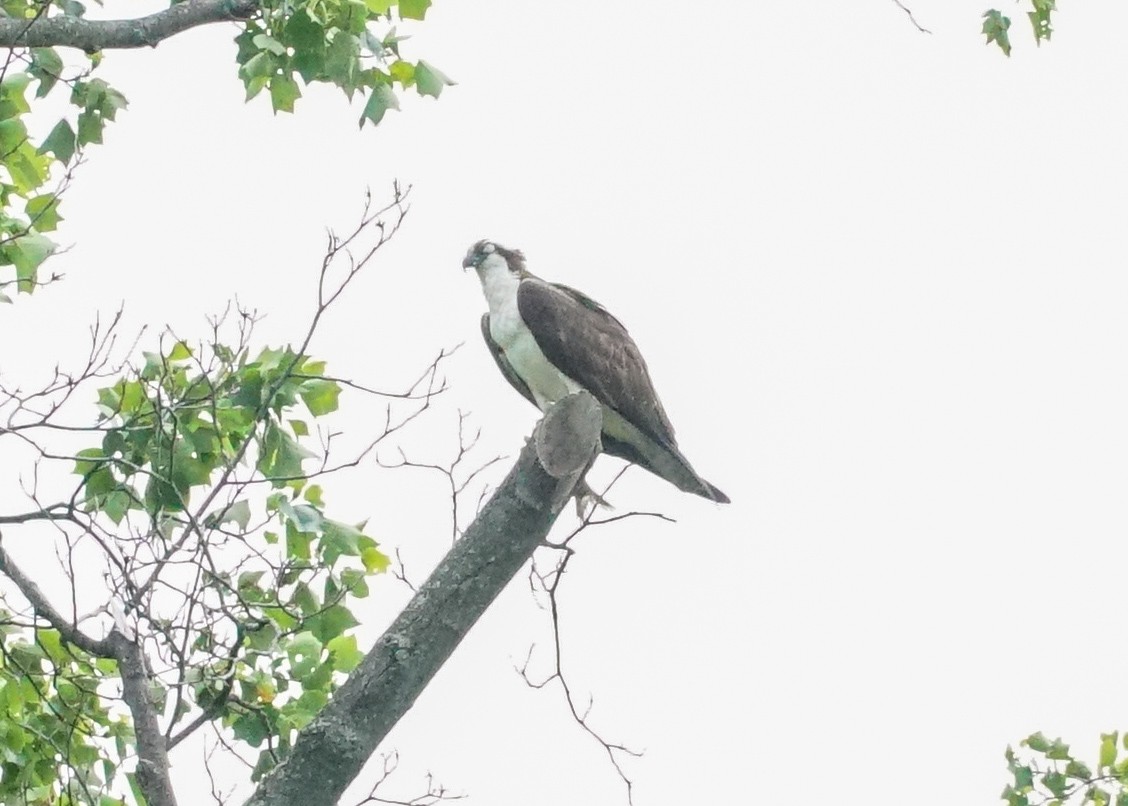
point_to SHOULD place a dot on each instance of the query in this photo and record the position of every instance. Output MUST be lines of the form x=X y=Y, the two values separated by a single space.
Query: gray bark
x=91 y=35
x=152 y=750
x=332 y=749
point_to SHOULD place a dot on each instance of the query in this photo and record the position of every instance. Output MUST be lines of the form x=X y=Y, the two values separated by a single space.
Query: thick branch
x=45 y=610
x=91 y=35
x=331 y=750
x=152 y=753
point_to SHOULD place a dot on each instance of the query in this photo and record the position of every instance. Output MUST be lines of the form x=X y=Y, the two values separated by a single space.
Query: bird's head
x=489 y=258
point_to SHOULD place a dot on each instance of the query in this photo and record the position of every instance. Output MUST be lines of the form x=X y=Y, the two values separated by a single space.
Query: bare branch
x=331 y=750
x=912 y=19
x=435 y=793
x=47 y=611
x=548 y=584
x=92 y=35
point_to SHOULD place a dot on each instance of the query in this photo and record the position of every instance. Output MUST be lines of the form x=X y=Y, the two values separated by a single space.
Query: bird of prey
x=550 y=340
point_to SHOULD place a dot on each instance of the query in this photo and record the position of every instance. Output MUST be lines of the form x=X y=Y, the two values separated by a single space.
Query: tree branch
x=912 y=18
x=91 y=35
x=152 y=752
x=331 y=750
x=45 y=610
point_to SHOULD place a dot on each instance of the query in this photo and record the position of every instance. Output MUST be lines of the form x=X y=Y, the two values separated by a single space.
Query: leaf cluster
x=243 y=599
x=58 y=741
x=996 y=25
x=349 y=44
x=334 y=42
x=34 y=171
x=1047 y=773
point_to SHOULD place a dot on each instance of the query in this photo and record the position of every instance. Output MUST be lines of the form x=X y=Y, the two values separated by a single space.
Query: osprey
x=550 y=340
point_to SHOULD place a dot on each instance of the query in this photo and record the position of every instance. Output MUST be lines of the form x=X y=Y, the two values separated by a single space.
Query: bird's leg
x=587 y=500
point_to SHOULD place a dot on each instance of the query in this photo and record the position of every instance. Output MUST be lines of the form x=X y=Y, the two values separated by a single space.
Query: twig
x=549 y=583
x=44 y=609
x=912 y=19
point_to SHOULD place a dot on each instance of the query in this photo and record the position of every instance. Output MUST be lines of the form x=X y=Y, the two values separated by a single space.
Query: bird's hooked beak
x=472 y=259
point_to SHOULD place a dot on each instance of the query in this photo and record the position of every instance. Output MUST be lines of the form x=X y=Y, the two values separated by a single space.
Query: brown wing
x=503 y=363
x=591 y=347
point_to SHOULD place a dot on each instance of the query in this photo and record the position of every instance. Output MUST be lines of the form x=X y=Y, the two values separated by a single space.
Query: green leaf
x=13 y=134
x=353 y=16
x=304 y=652
x=280 y=456
x=1040 y=19
x=88 y=460
x=307 y=37
x=1108 y=750
x=298 y=543
x=342 y=61
x=339 y=538
x=261 y=65
x=1037 y=742
x=249 y=579
x=267 y=42
x=331 y=622
x=238 y=513
x=1077 y=769
x=117 y=503
x=344 y=653
x=89 y=127
x=429 y=80
x=303 y=518
x=1056 y=782
x=320 y=396
x=403 y=72
x=250 y=728
x=29 y=168
x=374 y=560
x=12 y=88
x=353 y=581
x=413 y=9
x=284 y=92
x=313 y=495
x=302 y=710
x=1058 y=750
x=380 y=101
x=135 y=788
x=995 y=28
x=46 y=67
x=1023 y=779
x=43 y=212
x=27 y=253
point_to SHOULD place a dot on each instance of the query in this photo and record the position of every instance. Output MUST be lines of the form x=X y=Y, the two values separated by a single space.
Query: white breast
x=509 y=331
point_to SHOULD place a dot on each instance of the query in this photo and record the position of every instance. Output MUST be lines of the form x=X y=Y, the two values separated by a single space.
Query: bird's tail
x=660 y=458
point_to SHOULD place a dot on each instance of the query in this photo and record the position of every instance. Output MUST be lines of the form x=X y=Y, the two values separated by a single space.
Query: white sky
x=880 y=281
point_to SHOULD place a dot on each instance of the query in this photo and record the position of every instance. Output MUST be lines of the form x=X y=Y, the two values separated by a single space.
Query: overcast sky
x=880 y=280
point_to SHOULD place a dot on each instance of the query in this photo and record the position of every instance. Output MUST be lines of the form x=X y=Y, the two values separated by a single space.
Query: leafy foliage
x=1047 y=772
x=244 y=599
x=56 y=735
x=350 y=44
x=35 y=171
x=996 y=26
x=334 y=42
